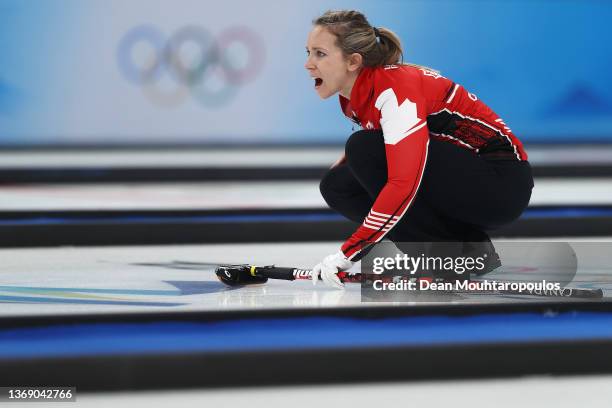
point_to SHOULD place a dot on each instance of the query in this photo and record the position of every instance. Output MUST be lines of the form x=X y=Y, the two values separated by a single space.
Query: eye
x=320 y=54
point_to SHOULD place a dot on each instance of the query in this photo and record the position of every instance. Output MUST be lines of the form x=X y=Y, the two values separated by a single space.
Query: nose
x=308 y=64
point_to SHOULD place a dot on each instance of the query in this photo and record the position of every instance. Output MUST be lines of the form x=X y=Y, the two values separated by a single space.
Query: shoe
x=486 y=250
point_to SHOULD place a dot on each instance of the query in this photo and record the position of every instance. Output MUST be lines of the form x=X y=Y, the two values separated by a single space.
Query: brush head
x=238 y=275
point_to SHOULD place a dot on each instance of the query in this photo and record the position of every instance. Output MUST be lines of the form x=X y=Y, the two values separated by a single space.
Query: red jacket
x=411 y=104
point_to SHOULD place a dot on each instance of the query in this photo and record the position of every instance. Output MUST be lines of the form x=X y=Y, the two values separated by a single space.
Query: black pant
x=461 y=194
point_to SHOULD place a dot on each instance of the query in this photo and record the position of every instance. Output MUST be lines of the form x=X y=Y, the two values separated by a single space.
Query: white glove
x=328 y=269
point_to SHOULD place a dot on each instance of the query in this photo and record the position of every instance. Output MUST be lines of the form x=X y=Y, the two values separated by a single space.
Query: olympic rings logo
x=209 y=69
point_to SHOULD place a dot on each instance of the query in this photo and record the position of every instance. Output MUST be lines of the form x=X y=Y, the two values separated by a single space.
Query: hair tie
x=377 y=34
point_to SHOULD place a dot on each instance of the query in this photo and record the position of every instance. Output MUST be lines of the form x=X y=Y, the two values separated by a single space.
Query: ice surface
x=68 y=280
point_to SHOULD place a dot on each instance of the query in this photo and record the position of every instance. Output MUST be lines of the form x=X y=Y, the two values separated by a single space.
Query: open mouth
x=318 y=82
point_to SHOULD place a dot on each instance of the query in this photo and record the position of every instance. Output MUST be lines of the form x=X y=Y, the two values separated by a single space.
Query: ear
x=355 y=61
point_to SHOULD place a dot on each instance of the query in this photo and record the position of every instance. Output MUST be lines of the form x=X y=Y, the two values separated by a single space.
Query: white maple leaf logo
x=397 y=121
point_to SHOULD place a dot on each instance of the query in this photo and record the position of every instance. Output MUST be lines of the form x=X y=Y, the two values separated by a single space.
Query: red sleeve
x=406 y=137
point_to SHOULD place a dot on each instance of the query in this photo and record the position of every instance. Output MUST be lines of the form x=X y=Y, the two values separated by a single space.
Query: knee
x=328 y=187
x=364 y=144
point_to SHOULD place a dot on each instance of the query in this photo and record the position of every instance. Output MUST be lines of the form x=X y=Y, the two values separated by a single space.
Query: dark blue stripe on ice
x=157 y=219
x=299 y=334
x=567 y=212
x=73 y=301
x=563 y=212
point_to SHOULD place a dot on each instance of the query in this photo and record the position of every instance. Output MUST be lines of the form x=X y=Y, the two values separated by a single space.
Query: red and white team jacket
x=411 y=105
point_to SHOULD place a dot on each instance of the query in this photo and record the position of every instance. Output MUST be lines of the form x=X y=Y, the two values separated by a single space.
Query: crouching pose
x=433 y=163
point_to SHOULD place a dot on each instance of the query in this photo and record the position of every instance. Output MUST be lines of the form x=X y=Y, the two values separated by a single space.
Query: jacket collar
x=362 y=92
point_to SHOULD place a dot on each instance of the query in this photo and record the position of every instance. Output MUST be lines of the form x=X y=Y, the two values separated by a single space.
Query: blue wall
x=95 y=72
